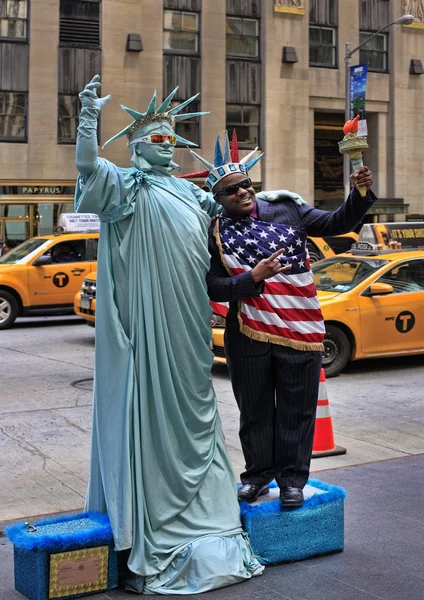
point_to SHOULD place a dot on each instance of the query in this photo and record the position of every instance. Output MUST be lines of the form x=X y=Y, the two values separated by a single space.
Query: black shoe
x=291 y=497
x=249 y=492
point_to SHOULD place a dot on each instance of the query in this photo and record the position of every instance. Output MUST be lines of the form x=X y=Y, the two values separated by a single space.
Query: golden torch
x=353 y=145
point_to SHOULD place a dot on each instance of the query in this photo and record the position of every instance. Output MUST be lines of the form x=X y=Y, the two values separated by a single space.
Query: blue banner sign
x=358 y=85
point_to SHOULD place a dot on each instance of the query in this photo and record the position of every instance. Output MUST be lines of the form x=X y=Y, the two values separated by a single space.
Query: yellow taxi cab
x=85 y=299
x=330 y=245
x=372 y=298
x=42 y=275
x=318 y=248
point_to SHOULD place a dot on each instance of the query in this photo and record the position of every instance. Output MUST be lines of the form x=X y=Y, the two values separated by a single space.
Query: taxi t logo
x=60 y=280
x=405 y=321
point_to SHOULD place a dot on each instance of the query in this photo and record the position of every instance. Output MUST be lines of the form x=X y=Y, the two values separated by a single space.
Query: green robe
x=159 y=466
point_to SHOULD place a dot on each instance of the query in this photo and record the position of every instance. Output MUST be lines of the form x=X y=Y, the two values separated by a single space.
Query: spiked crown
x=224 y=163
x=152 y=115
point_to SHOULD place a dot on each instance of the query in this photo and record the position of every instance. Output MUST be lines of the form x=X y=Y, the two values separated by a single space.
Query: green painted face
x=155 y=154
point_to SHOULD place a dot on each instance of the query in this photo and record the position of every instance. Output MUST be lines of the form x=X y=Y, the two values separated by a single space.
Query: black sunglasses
x=233 y=189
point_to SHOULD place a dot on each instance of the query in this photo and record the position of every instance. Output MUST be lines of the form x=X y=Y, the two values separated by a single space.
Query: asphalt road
x=46 y=367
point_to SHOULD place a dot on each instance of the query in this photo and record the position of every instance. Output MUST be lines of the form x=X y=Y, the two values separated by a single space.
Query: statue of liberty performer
x=159 y=465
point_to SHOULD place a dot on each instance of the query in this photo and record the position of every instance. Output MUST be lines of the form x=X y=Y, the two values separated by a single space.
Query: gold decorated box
x=63 y=558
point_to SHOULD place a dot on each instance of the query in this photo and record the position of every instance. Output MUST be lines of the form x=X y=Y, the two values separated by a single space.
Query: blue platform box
x=65 y=557
x=284 y=535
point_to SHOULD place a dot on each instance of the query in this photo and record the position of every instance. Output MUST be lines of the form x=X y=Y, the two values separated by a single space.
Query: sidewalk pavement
x=384 y=545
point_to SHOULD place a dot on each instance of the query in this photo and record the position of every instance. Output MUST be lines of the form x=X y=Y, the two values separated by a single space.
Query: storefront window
x=19 y=222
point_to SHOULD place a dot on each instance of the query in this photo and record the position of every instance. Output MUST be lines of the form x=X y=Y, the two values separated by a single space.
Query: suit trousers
x=276 y=389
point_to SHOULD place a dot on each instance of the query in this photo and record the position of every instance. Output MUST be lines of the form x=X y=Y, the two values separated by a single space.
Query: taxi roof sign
x=79 y=223
x=375 y=238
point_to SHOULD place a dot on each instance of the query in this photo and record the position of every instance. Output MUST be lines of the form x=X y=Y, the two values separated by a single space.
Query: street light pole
x=403 y=20
x=346 y=160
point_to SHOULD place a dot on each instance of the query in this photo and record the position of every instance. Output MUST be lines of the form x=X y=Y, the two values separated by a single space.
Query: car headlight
x=217 y=321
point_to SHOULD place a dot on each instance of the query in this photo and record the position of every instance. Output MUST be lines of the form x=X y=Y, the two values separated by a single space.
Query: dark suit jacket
x=224 y=288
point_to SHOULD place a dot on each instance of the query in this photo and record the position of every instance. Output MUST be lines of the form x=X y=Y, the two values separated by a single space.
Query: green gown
x=159 y=465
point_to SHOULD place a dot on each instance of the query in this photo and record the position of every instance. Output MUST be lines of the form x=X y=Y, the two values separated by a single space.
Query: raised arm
x=321 y=222
x=86 y=151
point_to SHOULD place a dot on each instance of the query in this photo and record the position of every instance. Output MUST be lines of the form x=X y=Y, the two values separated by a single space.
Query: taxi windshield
x=342 y=274
x=15 y=256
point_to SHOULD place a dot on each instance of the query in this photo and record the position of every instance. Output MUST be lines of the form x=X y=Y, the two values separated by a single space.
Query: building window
x=13 y=19
x=189 y=129
x=181 y=31
x=245 y=120
x=181 y=60
x=323 y=22
x=242 y=37
x=243 y=71
x=79 y=23
x=69 y=109
x=375 y=52
x=79 y=61
x=322 y=47
x=13 y=116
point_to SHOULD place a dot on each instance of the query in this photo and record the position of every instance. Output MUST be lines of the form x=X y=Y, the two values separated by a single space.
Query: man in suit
x=275 y=375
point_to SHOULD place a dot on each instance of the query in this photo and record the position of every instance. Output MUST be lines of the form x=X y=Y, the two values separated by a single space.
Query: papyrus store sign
x=387 y=235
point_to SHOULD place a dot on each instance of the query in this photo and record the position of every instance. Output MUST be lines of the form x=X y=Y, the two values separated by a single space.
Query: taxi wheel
x=336 y=351
x=9 y=309
x=314 y=255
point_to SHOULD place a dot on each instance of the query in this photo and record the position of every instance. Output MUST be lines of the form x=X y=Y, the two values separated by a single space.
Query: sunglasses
x=156 y=138
x=230 y=190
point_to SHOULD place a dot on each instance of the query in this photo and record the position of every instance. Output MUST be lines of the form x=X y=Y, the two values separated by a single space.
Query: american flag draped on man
x=287 y=312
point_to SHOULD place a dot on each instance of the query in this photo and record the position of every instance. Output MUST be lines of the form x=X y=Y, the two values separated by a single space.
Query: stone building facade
x=272 y=69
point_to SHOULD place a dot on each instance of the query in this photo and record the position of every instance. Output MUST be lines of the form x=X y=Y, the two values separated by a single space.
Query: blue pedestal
x=284 y=535
x=33 y=551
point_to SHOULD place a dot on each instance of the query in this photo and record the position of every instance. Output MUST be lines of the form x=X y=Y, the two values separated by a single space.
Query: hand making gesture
x=268 y=267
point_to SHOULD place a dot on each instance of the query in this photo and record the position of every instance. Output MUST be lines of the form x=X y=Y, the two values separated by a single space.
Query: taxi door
x=394 y=323
x=58 y=282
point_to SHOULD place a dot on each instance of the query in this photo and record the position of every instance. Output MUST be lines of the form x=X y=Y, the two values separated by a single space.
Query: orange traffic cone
x=324 y=439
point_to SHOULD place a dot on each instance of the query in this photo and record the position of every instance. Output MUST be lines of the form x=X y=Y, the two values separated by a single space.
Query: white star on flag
x=301 y=263
x=263 y=234
x=239 y=250
x=258 y=251
x=298 y=242
x=272 y=228
x=250 y=259
x=253 y=226
x=283 y=238
x=273 y=245
x=290 y=249
x=231 y=240
x=290 y=231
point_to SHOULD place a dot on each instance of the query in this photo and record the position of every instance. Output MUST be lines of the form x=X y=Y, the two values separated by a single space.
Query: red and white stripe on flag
x=220 y=308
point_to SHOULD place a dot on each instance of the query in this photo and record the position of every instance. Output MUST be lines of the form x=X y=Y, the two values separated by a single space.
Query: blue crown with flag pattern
x=225 y=162
x=164 y=113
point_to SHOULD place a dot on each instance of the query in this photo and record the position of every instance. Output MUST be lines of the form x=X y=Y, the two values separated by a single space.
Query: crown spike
x=252 y=163
x=152 y=105
x=186 y=116
x=133 y=113
x=227 y=151
x=184 y=141
x=234 y=148
x=117 y=136
x=162 y=108
x=201 y=160
x=246 y=158
x=194 y=175
x=179 y=107
x=218 y=161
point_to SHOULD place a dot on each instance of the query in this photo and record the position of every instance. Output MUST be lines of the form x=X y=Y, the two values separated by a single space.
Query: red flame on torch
x=351 y=126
